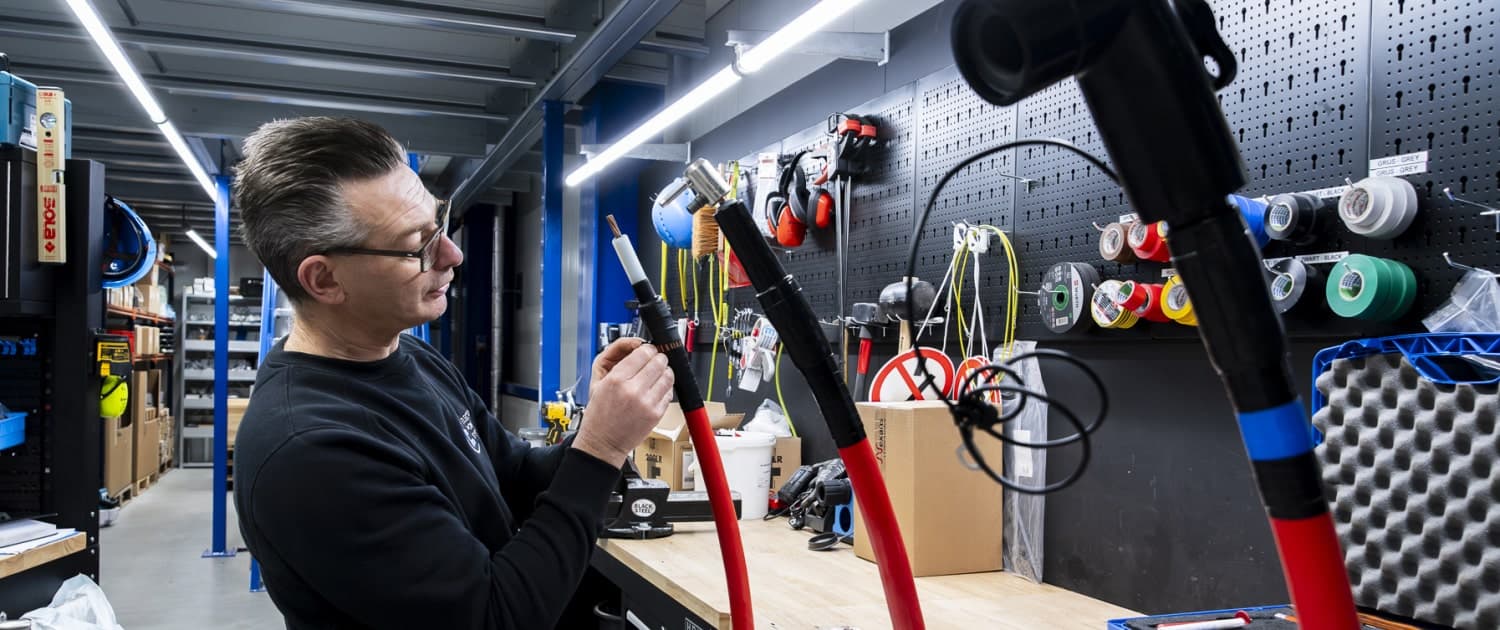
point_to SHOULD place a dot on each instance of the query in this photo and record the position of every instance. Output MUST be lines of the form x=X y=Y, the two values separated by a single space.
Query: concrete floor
x=150 y=568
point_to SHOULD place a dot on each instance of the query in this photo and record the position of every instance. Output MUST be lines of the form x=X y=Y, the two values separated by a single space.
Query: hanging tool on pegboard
x=850 y=155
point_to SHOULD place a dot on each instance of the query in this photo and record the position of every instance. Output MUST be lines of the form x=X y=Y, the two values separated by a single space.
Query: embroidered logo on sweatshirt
x=470 y=433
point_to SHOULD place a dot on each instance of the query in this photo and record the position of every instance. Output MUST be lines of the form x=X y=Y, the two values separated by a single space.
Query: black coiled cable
x=972 y=410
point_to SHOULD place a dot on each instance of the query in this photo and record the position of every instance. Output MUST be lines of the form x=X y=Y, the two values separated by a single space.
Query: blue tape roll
x=1255 y=217
x=1277 y=433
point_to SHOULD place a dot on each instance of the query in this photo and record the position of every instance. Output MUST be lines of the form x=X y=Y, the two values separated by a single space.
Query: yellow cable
x=787 y=413
x=682 y=256
x=662 y=281
x=713 y=355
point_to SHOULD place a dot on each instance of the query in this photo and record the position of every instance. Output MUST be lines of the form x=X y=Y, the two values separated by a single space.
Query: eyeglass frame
x=420 y=253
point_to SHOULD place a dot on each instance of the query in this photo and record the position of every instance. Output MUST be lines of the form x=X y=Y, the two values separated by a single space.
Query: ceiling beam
x=455 y=19
x=616 y=34
x=342 y=58
x=99 y=107
x=297 y=96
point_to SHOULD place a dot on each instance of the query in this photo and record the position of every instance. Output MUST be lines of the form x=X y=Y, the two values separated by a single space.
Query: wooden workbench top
x=795 y=589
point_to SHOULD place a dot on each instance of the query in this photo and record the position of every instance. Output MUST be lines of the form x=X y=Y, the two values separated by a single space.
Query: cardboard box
x=664 y=454
x=168 y=443
x=119 y=454
x=236 y=412
x=153 y=387
x=949 y=515
x=141 y=397
x=147 y=446
x=785 y=459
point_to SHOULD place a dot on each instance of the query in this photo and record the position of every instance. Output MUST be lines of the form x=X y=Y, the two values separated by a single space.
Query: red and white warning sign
x=897 y=380
x=969 y=366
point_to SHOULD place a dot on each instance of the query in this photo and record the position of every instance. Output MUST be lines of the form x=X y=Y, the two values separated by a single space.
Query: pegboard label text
x=1326 y=258
x=1398 y=165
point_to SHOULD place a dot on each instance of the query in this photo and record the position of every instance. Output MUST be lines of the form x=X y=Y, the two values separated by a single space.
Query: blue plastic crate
x=12 y=429
x=1419 y=350
x=1119 y=624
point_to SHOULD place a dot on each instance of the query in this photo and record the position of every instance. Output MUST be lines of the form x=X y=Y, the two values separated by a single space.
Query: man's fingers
x=629 y=366
x=616 y=352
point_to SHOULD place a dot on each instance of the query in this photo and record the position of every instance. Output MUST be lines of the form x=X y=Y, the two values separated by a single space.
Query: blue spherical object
x=671 y=217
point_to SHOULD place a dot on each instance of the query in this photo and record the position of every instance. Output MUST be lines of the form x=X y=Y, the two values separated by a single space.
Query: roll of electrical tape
x=1293 y=218
x=1254 y=213
x=1065 y=293
x=1113 y=246
x=1175 y=303
x=1105 y=312
x=1291 y=282
x=1148 y=241
x=1152 y=309
x=1131 y=295
x=1370 y=288
x=1379 y=207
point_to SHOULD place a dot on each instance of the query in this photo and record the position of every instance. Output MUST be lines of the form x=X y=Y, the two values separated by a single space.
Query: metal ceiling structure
x=458 y=81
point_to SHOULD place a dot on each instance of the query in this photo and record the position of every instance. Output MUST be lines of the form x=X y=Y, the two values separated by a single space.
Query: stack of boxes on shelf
x=134 y=449
x=148 y=295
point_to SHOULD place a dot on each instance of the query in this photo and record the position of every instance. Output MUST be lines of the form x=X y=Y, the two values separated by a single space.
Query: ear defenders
x=786 y=207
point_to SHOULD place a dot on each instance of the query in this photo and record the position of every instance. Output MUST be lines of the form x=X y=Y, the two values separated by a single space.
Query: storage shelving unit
x=195 y=371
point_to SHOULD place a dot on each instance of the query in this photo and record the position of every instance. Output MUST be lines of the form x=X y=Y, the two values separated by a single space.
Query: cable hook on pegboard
x=1458 y=265
x=1489 y=211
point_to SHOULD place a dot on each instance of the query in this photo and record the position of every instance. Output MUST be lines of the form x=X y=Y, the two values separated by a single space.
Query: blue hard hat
x=129 y=249
x=671 y=217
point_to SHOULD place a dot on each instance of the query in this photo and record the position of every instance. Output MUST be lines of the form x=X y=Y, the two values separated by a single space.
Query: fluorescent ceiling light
x=193 y=234
x=658 y=123
x=799 y=29
x=117 y=59
x=107 y=44
x=179 y=144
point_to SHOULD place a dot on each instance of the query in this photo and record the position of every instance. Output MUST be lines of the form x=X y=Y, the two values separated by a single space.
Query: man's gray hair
x=288 y=189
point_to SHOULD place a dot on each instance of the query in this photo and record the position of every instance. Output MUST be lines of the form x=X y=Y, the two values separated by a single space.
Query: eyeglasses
x=424 y=254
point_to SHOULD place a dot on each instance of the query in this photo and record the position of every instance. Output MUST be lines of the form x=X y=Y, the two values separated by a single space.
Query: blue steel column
x=552 y=224
x=614 y=109
x=414 y=161
x=219 y=548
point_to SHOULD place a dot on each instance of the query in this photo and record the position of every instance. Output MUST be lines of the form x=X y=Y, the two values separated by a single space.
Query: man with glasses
x=375 y=487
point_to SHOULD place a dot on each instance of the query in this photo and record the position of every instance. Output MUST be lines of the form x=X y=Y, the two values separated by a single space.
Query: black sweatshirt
x=385 y=495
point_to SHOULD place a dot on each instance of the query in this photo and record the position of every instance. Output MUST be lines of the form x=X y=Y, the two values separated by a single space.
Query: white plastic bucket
x=747 y=465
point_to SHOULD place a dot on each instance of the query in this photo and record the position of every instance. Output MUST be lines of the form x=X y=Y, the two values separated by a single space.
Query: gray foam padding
x=1412 y=466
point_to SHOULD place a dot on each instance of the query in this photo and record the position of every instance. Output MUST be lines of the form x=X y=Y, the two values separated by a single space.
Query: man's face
x=393 y=293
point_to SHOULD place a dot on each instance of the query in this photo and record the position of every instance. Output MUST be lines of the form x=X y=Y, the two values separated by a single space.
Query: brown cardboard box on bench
x=949 y=515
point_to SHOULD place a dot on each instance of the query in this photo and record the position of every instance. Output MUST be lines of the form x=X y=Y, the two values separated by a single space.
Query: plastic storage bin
x=12 y=429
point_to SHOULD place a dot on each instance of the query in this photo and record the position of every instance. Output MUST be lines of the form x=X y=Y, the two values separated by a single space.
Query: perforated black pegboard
x=1322 y=88
x=23 y=388
x=1434 y=65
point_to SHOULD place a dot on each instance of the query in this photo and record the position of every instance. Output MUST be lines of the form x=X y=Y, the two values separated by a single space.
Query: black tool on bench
x=646 y=508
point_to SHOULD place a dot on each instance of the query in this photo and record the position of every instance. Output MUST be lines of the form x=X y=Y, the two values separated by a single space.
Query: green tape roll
x=1370 y=288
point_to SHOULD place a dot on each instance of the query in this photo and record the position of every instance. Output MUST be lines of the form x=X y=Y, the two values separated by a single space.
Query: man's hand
x=630 y=391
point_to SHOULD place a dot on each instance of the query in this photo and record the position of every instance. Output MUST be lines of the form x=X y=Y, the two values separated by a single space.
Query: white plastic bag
x=769 y=419
x=78 y=605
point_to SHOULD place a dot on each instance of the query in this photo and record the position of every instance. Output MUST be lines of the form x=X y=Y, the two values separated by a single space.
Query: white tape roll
x=1379 y=207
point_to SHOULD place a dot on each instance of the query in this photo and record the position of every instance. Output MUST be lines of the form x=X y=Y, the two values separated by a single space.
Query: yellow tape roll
x=1106 y=313
x=1175 y=303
